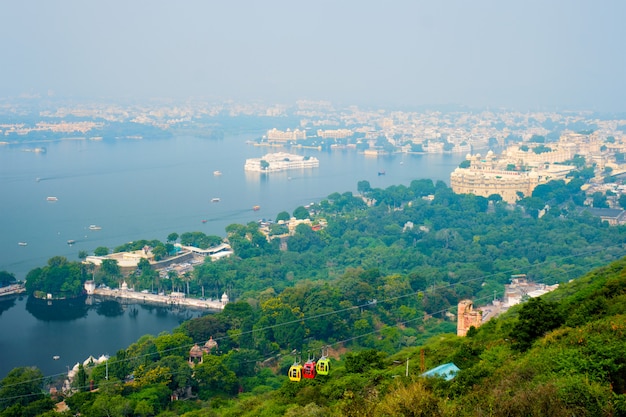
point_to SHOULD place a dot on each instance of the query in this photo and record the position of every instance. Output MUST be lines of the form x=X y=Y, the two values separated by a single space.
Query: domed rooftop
x=195 y=351
x=210 y=344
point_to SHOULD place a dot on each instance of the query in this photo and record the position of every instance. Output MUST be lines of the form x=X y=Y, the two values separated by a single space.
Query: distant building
x=280 y=161
x=467 y=317
x=276 y=135
x=504 y=175
x=334 y=134
x=612 y=216
x=521 y=289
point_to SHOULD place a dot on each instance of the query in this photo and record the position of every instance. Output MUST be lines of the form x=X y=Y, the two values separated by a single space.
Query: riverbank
x=176 y=299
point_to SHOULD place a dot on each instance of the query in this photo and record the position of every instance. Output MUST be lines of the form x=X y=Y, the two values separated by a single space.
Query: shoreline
x=159 y=299
x=12 y=289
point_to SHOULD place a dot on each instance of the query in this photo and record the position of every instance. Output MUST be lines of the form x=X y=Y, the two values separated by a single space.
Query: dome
x=210 y=344
x=89 y=361
x=224 y=298
x=195 y=351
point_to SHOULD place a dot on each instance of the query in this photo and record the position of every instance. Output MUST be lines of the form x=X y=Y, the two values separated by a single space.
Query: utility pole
x=407 y=367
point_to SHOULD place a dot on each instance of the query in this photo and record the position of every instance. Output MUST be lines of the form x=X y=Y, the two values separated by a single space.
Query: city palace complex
x=508 y=153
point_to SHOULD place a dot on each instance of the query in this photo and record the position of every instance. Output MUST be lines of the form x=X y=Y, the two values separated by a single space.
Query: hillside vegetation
x=375 y=287
x=558 y=355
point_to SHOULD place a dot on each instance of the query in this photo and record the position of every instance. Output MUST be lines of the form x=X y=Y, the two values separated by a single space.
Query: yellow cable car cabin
x=295 y=372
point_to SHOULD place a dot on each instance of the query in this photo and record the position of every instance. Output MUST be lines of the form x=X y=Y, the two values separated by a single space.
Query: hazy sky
x=569 y=54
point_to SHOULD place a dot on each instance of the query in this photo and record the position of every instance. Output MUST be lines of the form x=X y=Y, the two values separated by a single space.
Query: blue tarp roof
x=446 y=371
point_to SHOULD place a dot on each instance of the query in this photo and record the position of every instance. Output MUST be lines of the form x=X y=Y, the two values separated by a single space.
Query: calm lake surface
x=147 y=189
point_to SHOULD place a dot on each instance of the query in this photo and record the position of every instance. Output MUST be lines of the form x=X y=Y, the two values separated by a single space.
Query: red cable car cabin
x=308 y=370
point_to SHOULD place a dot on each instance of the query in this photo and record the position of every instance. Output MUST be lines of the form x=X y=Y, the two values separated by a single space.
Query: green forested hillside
x=376 y=286
x=574 y=366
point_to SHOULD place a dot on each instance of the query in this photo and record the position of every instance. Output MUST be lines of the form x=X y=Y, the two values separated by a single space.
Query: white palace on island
x=280 y=161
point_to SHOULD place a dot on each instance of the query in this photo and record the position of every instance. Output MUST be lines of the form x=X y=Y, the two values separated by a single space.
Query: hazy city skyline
x=527 y=55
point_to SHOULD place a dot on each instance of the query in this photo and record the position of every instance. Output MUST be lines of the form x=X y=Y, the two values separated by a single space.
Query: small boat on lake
x=203 y=220
x=56 y=357
x=22 y=243
x=256 y=208
x=215 y=200
x=217 y=173
x=71 y=242
x=94 y=227
x=52 y=198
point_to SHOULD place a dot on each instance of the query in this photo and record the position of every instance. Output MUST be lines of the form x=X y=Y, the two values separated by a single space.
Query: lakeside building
x=280 y=161
x=276 y=135
x=507 y=175
x=124 y=259
x=182 y=262
x=334 y=134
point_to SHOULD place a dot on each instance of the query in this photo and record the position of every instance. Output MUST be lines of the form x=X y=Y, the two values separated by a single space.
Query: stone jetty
x=174 y=298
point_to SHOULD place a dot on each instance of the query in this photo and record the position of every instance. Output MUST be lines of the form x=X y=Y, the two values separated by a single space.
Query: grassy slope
x=578 y=368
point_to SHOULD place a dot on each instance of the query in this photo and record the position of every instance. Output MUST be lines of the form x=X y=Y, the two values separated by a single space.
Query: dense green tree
x=159 y=252
x=199 y=240
x=21 y=386
x=173 y=344
x=599 y=200
x=101 y=251
x=360 y=362
x=283 y=215
x=536 y=318
x=363 y=187
x=60 y=278
x=110 y=272
x=213 y=377
x=6 y=278
x=172 y=237
x=301 y=213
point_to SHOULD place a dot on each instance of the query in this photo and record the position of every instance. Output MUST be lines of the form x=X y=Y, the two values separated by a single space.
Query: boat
x=52 y=198
x=22 y=243
x=215 y=200
x=94 y=227
x=381 y=172
x=203 y=220
x=256 y=208
x=217 y=173
x=71 y=242
x=56 y=357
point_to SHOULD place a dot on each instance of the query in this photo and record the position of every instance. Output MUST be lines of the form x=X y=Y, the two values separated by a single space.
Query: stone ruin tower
x=467 y=317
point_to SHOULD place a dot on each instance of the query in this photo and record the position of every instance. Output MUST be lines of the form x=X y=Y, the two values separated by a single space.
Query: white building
x=280 y=161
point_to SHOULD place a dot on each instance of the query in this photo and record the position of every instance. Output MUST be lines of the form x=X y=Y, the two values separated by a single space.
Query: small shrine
x=210 y=345
x=195 y=354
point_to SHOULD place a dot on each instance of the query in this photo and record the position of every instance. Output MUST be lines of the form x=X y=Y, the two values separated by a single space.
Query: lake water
x=33 y=332
x=147 y=189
